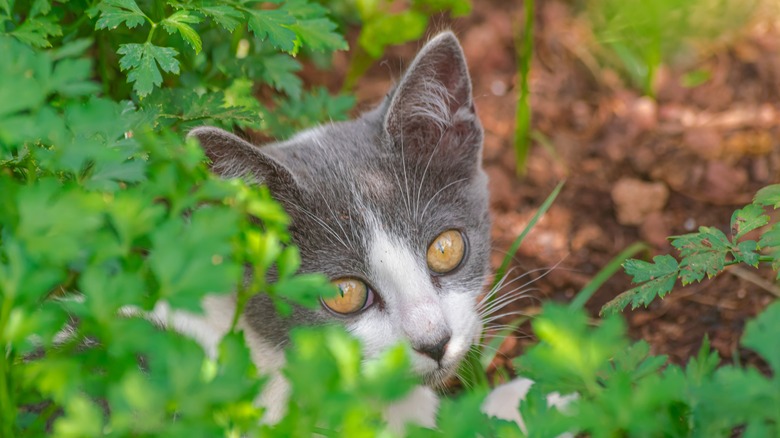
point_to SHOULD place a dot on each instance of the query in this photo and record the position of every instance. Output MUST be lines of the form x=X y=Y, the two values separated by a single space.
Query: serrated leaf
x=72 y=77
x=762 y=334
x=642 y=271
x=747 y=252
x=768 y=196
x=319 y=34
x=180 y=22
x=704 y=253
x=35 y=31
x=71 y=49
x=694 y=267
x=176 y=105
x=142 y=61
x=116 y=12
x=707 y=239
x=279 y=71
x=659 y=278
x=771 y=239
x=747 y=219
x=641 y=295
x=273 y=25
x=226 y=16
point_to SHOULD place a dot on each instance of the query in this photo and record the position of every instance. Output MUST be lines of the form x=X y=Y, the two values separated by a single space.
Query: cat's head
x=393 y=206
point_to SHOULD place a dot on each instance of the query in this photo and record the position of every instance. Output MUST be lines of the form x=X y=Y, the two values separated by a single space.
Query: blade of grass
x=471 y=374
x=516 y=244
x=604 y=274
x=525 y=45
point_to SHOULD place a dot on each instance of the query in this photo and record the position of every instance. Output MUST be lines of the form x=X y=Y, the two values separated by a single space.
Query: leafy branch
x=706 y=253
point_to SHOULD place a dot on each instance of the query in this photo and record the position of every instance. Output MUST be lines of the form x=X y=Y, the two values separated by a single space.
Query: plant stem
x=523 y=112
x=7 y=408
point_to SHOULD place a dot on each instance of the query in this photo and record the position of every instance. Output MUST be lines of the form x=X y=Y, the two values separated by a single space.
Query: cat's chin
x=437 y=378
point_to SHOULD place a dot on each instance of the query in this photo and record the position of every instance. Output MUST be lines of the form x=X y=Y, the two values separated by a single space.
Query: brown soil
x=636 y=169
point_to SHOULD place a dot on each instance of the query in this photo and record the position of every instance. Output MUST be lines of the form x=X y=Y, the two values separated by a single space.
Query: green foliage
x=706 y=253
x=622 y=390
x=104 y=206
x=639 y=36
x=186 y=63
x=384 y=23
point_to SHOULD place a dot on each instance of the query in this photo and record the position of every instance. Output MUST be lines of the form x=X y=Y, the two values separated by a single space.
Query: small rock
x=704 y=142
x=655 y=229
x=644 y=112
x=635 y=199
x=724 y=179
x=589 y=236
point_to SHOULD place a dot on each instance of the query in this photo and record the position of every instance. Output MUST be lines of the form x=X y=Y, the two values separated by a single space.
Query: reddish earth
x=636 y=169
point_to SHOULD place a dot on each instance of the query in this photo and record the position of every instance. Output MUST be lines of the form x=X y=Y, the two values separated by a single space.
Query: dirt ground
x=636 y=169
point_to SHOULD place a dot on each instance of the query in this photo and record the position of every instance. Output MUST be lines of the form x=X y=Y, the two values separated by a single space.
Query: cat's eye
x=446 y=252
x=353 y=296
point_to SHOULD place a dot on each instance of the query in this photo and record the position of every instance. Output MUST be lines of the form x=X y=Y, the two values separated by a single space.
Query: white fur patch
x=419 y=407
x=504 y=402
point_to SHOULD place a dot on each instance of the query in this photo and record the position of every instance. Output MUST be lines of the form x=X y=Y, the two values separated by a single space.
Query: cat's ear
x=232 y=156
x=432 y=104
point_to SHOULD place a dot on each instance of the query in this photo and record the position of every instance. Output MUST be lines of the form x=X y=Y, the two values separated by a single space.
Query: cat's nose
x=434 y=351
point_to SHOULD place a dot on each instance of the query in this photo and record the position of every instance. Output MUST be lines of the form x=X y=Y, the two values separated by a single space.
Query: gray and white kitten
x=368 y=198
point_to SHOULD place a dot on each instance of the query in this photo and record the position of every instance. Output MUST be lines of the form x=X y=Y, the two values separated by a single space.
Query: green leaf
x=116 y=12
x=747 y=252
x=771 y=239
x=762 y=334
x=704 y=253
x=279 y=71
x=747 y=219
x=768 y=196
x=388 y=29
x=273 y=25
x=142 y=61
x=226 y=16
x=570 y=354
x=659 y=276
x=36 y=31
x=82 y=418
x=192 y=260
x=304 y=289
x=180 y=22
x=319 y=34
x=701 y=368
x=642 y=271
x=178 y=105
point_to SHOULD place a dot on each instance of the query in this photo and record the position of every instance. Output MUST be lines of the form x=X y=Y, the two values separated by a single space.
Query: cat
x=393 y=207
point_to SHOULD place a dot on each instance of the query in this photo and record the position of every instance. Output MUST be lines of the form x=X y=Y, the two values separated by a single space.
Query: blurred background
x=661 y=116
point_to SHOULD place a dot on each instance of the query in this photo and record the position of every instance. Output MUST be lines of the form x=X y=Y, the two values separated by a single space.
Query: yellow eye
x=446 y=252
x=352 y=296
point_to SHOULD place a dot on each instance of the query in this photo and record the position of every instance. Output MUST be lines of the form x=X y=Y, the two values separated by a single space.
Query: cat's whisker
x=428 y=204
x=406 y=180
x=503 y=283
x=422 y=180
x=496 y=288
x=504 y=315
x=325 y=226
x=505 y=301
x=401 y=190
x=493 y=305
x=507 y=295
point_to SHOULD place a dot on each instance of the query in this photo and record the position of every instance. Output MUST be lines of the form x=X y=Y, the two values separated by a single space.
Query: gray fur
x=412 y=166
